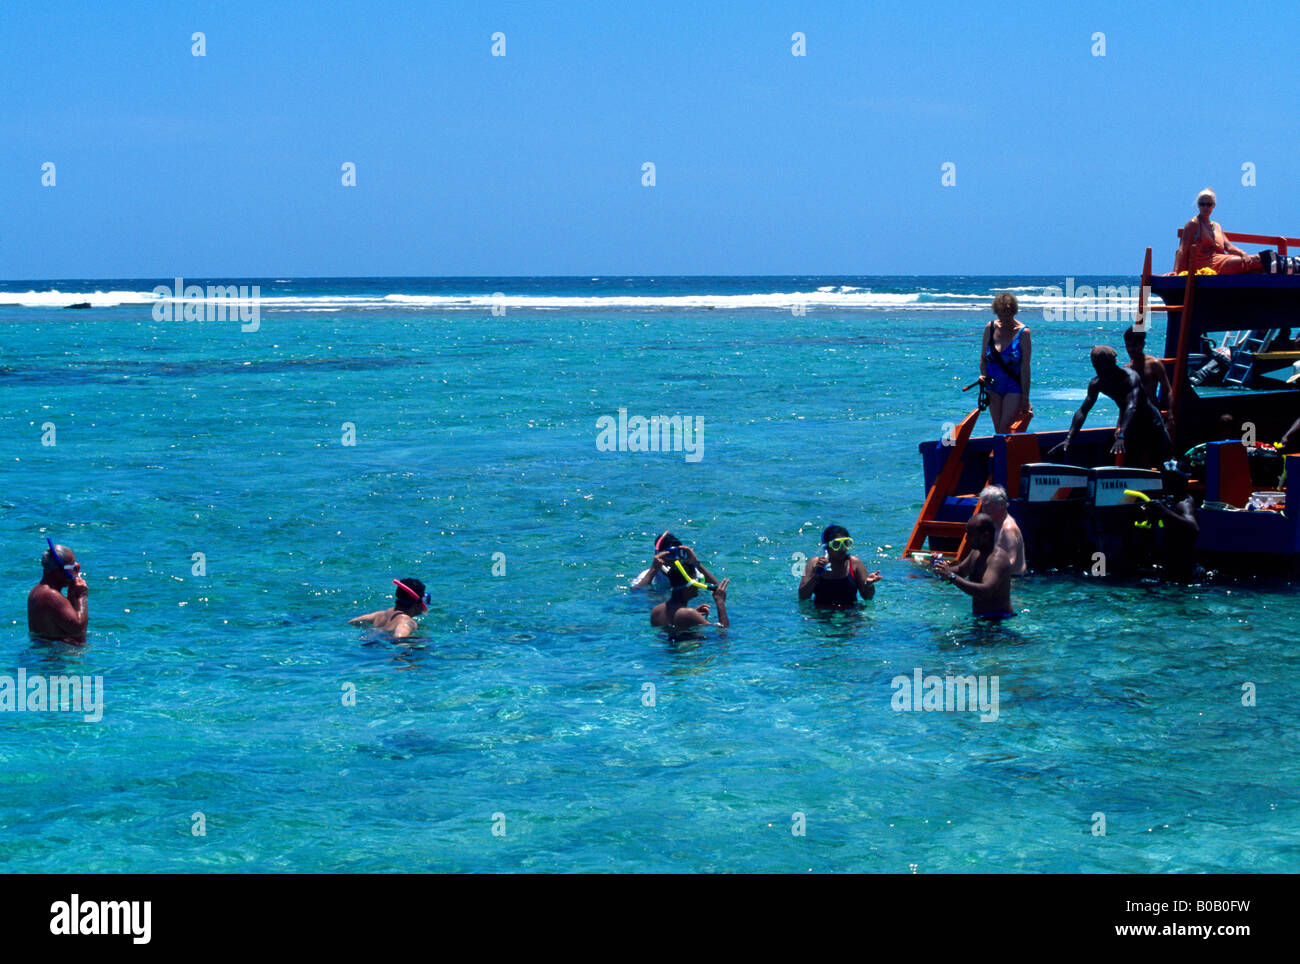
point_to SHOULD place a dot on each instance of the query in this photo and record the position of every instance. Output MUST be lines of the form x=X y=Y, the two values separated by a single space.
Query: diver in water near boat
x=1175 y=513
x=1004 y=364
x=1155 y=381
x=1141 y=435
x=993 y=503
x=984 y=574
x=684 y=576
x=836 y=579
x=51 y=615
x=409 y=601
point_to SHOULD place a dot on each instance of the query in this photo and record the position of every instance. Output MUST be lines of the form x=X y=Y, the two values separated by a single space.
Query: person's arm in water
x=987 y=588
x=367 y=619
x=1079 y=417
x=402 y=626
x=648 y=578
x=812 y=574
x=866 y=581
x=961 y=567
x=942 y=567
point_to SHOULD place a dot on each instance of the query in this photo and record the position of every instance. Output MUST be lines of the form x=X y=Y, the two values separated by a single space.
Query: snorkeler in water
x=835 y=580
x=50 y=614
x=687 y=576
x=409 y=602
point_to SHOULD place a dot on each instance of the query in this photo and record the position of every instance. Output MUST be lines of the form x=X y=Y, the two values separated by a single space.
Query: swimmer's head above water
x=837 y=541
x=411 y=597
x=686 y=579
x=667 y=541
x=981 y=532
x=59 y=561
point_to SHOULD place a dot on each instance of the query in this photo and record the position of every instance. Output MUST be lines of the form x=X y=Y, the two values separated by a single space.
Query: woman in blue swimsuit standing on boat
x=1004 y=364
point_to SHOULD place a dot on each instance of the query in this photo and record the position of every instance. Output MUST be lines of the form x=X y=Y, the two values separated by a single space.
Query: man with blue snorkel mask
x=687 y=576
x=836 y=579
x=51 y=615
x=409 y=602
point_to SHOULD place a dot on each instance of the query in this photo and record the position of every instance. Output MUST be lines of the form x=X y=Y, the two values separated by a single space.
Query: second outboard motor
x=1113 y=511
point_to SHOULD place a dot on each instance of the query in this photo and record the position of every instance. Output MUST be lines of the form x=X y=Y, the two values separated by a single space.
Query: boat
x=1084 y=514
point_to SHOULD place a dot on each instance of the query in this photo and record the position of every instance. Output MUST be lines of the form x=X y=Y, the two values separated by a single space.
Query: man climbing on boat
x=985 y=573
x=1141 y=436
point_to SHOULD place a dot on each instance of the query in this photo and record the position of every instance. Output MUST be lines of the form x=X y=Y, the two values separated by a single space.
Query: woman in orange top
x=1205 y=246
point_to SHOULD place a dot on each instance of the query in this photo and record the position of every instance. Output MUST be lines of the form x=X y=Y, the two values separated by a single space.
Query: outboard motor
x=1050 y=512
x=1114 y=510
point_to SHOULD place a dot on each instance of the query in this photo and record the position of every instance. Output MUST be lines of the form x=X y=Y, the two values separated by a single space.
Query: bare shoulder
x=43 y=595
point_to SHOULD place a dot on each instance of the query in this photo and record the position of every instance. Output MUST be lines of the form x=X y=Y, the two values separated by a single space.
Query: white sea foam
x=59 y=299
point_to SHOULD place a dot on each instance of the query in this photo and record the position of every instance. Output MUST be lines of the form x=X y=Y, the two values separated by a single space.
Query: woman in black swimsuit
x=836 y=579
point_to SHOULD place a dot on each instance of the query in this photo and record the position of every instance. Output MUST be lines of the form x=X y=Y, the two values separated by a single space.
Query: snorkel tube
x=422 y=600
x=691 y=580
x=1143 y=497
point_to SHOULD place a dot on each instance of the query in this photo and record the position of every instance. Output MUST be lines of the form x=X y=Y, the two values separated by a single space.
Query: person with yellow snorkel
x=686 y=576
x=1175 y=513
x=656 y=576
x=409 y=602
x=836 y=579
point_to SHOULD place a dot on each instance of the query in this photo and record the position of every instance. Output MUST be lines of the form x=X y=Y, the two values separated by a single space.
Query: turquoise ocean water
x=523 y=706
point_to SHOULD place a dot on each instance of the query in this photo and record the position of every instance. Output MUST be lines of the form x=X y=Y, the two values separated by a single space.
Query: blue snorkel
x=54 y=553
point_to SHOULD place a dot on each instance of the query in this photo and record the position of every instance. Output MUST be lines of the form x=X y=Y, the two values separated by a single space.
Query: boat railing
x=1275 y=241
x=1145 y=308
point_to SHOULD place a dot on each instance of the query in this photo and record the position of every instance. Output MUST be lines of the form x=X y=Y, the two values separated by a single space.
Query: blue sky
x=228 y=165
